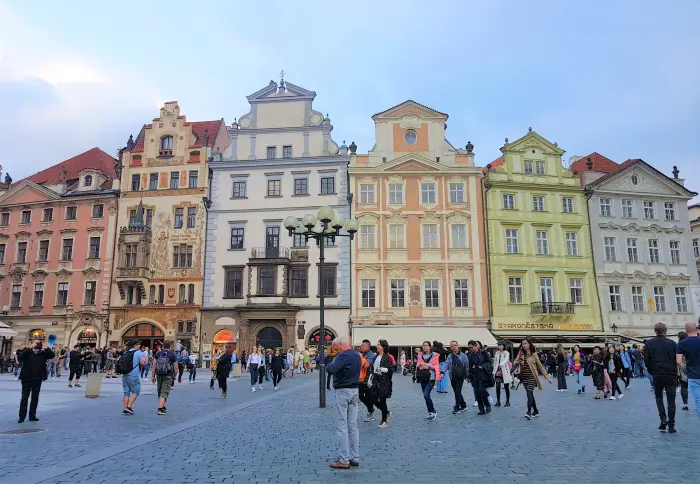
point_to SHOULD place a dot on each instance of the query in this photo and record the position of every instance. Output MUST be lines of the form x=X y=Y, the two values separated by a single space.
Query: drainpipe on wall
x=108 y=331
x=588 y=192
x=350 y=197
x=486 y=186
x=206 y=201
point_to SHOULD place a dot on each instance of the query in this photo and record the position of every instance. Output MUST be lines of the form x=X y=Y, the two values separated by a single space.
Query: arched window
x=190 y=294
x=87 y=181
x=166 y=146
x=161 y=294
x=181 y=295
x=152 y=295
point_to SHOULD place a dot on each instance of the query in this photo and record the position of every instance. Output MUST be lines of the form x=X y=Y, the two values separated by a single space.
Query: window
x=430 y=236
x=152 y=295
x=539 y=167
x=427 y=193
x=233 y=282
x=615 y=298
x=542 y=242
x=161 y=293
x=627 y=209
x=456 y=192
x=576 y=290
x=654 y=251
x=632 y=254
x=571 y=244
x=398 y=293
x=38 y=294
x=130 y=294
x=193 y=179
x=410 y=137
x=94 y=248
x=135 y=183
x=512 y=241
x=660 y=299
x=515 y=290
x=461 y=293
x=21 y=252
x=16 y=296
x=395 y=193
x=149 y=217
x=459 y=236
x=328 y=280
x=181 y=294
x=174 y=180
x=4 y=219
x=71 y=213
x=508 y=201
x=239 y=189
x=271 y=152
x=67 y=253
x=286 y=152
x=300 y=284
x=153 y=181
x=675 y=248
x=396 y=239
x=26 y=217
x=299 y=241
x=301 y=186
x=90 y=290
x=567 y=205
x=368 y=293
x=191 y=217
x=190 y=293
x=610 y=249
x=98 y=210
x=87 y=181
x=528 y=167
x=538 y=203
x=48 y=215
x=546 y=290
x=638 y=299
x=606 y=207
x=366 y=193
x=681 y=300
x=366 y=236
x=266 y=281
x=166 y=146
x=182 y=256
x=327 y=185
x=432 y=293
x=696 y=247
x=179 y=217
x=648 y=210
x=274 y=188
x=62 y=299
x=130 y=255
x=2 y=254
x=670 y=210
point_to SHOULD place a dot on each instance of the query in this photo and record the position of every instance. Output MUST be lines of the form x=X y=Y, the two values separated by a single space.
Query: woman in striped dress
x=530 y=366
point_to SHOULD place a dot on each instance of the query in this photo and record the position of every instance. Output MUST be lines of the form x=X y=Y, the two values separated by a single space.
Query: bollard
x=93 y=386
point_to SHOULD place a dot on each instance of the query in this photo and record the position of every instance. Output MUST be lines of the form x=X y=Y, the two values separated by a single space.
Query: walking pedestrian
x=262 y=367
x=61 y=362
x=682 y=371
x=660 y=358
x=626 y=365
x=480 y=375
x=596 y=366
x=330 y=354
x=164 y=370
x=276 y=367
x=402 y=362
x=502 y=373
x=223 y=369
x=76 y=366
x=290 y=362
x=129 y=366
x=439 y=348
x=380 y=381
x=562 y=365
x=577 y=364
x=244 y=361
x=530 y=366
x=613 y=367
x=637 y=362
x=688 y=359
x=427 y=373
x=213 y=362
x=364 y=394
x=253 y=367
x=458 y=371
x=33 y=372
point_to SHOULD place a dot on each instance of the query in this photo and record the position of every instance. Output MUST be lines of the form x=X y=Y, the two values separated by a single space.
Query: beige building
x=157 y=282
x=694 y=215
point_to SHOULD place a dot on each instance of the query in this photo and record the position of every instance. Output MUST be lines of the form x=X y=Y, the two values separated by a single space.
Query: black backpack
x=163 y=364
x=125 y=363
x=458 y=369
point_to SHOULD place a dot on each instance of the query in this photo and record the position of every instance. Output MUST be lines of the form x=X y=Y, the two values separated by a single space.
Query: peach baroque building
x=419 y=259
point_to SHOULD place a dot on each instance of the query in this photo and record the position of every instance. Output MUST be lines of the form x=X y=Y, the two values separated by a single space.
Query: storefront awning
x=6 y=331
x=397 y=335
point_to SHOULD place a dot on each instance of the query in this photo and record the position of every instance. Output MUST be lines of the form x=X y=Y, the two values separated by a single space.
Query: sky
x=621 y=78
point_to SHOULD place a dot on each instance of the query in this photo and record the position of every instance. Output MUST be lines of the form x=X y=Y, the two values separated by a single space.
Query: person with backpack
x=129 y=366
x=457 y=365
x=164 y=370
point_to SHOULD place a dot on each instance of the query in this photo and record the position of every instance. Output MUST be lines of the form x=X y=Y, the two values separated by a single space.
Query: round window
x=411 y=137
x=635 y=180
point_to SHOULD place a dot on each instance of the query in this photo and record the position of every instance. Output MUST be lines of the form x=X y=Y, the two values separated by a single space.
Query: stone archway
x=147 y=332
x=269 y=337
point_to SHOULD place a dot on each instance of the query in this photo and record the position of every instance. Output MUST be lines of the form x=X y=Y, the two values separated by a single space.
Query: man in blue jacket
x=458 y=368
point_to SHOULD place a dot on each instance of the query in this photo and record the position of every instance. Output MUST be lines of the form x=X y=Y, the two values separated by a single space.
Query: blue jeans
x=580 y=379
x=638 y=369
x=253 y=375
x=131 y=384
x=18 y=368
x=427 y=387
x=442 y=384
x=51 y=368
x=694 y=387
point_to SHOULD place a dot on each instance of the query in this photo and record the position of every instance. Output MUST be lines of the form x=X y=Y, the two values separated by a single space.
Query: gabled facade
x=57 y=231
x=540 y=257
x=157 y=285
x=419 y=261
x=643 y=248
x=261 y=285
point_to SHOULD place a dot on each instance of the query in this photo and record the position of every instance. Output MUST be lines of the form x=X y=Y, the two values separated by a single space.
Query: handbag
x=422 y=374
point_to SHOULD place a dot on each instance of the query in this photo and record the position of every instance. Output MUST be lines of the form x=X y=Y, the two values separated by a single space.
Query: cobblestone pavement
x=283 y=437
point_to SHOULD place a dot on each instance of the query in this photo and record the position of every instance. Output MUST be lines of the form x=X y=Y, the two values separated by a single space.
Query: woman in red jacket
x=427 y=373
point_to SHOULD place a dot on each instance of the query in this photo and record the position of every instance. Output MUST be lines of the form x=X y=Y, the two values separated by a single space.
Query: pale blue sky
x=619 y=77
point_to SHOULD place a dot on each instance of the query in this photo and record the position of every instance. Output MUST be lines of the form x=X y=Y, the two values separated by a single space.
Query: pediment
x=28 y=192
x=412 y=162
x=91 y=272
x=533 y=140
x=44 y=233
x=641 y=179
x=410 y=108
x=285 y=90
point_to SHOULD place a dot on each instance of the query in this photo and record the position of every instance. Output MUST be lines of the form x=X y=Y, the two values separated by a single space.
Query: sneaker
x=507 y=404
x=490 y=399
x=579 y=392
x=621 y=396
x=463 y=409
x=129 y=411
x=583 y=389
x=476 y=404
x=165 y=410
x=383 y=425
x=124 y=412
x=259 y=387
x=612 y=398
x=671 y=429
x=528 y=416
x=191 y=382
x=161 y=411
x=340 y=465
x=558 y=391
x=536 y=414
x=276 y=388
x=432 y=416
x=355 y=463
x=455 y=411
x=685 y=407
x=252 y=389
x=77 y=384
x=369 y=417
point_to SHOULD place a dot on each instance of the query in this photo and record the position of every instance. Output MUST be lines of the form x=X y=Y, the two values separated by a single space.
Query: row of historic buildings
x=181 y=237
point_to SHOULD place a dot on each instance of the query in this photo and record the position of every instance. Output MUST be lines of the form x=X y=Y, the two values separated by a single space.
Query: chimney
x=676 y=172
x=588 y=175
x=62 y=184
x=470 y=153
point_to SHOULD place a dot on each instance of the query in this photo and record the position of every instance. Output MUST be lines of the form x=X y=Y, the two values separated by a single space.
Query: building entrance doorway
x=146 y=333
x=269 y=338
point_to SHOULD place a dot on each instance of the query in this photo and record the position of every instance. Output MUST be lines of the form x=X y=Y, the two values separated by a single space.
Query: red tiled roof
x=95 y=159
x=601 y=164
x=497 y=162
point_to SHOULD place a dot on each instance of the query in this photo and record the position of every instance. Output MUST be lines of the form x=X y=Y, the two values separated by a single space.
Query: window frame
x=296 y=280
x=430 y=239
x=605 y=205
x=136 y=182
x=40 y=302
x=62 y=293
x=22 y=248
x=367 y=235
x=174 y=180
x=368 y=194
x=633 y=249
x=239 y=237
x=153 y=177
x=90 y=293
x=396 y=240
x=397 y=293
x=274 y=188
x=515 y=288
x=638 y=299
x=542 y=242
x=230 y=291
x=70 y=248
x=683 y=297
x=571 y=244
x=670 y=208
x=193 y=176
x=509 y=197
x=393 y=190
x=459 y=242
x=368 y=293
x=431 y=300
x=301 y=186
x=271 y=153
x=676 y=254
x=287 y=152
x=512 y=241
x=576 y=291
x=191 y=217
x=459 y=190
x=179 y=218
x=427 y=192
x=538 y=203
x=567 y=205
x=627 y=207
x=461 y=294
x=325 y=185
x=94 y=252
x=264 y=275
x=25 y=217
x=660 y=299
x=649 y=210
x=615 y=298
x=98 y=210
x=654 y=251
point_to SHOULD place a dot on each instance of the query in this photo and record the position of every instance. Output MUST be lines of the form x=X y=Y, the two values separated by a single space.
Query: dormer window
x=166 y=146
x=87 y=181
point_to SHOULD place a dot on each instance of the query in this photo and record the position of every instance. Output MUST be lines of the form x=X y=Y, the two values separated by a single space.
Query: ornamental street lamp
x=330 y=228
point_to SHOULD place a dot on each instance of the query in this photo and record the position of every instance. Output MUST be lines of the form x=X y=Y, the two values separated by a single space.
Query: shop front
x=221 y=339
x=550 y=334
x=88 y=338
x=148 y=334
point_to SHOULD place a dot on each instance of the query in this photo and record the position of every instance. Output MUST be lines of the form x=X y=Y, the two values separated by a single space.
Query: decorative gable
x=28 y=192
x=533 y=140
x=411 y=162
x=640 y=179
x=410 y=109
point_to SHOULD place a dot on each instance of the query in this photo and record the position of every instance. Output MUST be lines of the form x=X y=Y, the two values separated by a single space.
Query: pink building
x=57 y=232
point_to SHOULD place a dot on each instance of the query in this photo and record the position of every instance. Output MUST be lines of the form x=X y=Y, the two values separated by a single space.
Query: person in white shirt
x=402 y=361
x=253 y=364
x=290 y=361
x=193 y=366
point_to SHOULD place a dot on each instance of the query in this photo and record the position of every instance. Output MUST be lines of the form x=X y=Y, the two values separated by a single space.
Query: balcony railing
x=269 y=253
x=562 y=308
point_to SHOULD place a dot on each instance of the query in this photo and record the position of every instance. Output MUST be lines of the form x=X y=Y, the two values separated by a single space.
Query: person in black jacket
x=660 y=358
x=613 y=365
x=276 y=367
x=479 y=372
x=75 y=362
x=33 y=373
x=223 y=369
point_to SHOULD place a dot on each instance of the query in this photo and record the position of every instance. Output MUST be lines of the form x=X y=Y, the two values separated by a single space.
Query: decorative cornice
x=44 y=232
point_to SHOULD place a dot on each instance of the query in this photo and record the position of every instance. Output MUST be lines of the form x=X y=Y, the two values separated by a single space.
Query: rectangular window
x=16 y=299
x=632 y=253
x=398 y=293
x=610 y=249
x=368 y=293
x=615 y=294
x=237 y=236
x=528 y=167
x=512 y=241
x=627 y=209
x=300 y=241
x=576 y=290
x=4 y=219
x=300 y=283
x=90 y=290
x=266 y=281
x=48 y=215
x=606 y=207
x=179 y=217
x=432 y=293
x=638 y=304
x=456 y=192
x=130 y=255
x=71 y=213
x=21 y=252
x=396 y=240
x=681 y=300
x=427 y=193
x=174 y=180
x=539 y=167
x=271 y=152
x=62 y=294
x=654 y=251
x=567 y=205
x=94 y=248
x=675 y=248
x=182 y=256
x=191 y=217
x=659 y=299
x=286 y=152
x=193 y=179
x=2 y=254
x=301 y=186
x=67 y=252
x=515 y=290
x=542 y=242
x=508 y=201
x=670 y=210
x=648 y=210
x=430 y=236
x=571 y=244
x=274 y=188
x=538 y=203
x=239 y=189
x=367 y=237
x=38 y=294
x=327 y=185
x=233 y=282
x=26 y=217
x=459 y=236
x=328 y=279
x=135 y=183
x=98 y=210
x=547 y=289
x=395 y=193
x=696 y=247
x=153 y=181
x=461 y=293
x=366 y=193
x=149 y=217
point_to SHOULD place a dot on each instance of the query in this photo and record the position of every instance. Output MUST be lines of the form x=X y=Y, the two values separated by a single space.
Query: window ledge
x=302 y=195
x=324 y=194
x=238 y=198
x=273 y=196
x=242 y=249
x=233 y=297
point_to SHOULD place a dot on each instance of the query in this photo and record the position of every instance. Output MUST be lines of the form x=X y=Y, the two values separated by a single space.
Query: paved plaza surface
x=283 y=437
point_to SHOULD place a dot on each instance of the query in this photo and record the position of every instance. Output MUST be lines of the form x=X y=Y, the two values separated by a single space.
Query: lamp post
x=330 y=228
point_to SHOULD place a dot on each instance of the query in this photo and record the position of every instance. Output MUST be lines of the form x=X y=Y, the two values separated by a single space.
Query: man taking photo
x=34 y=371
